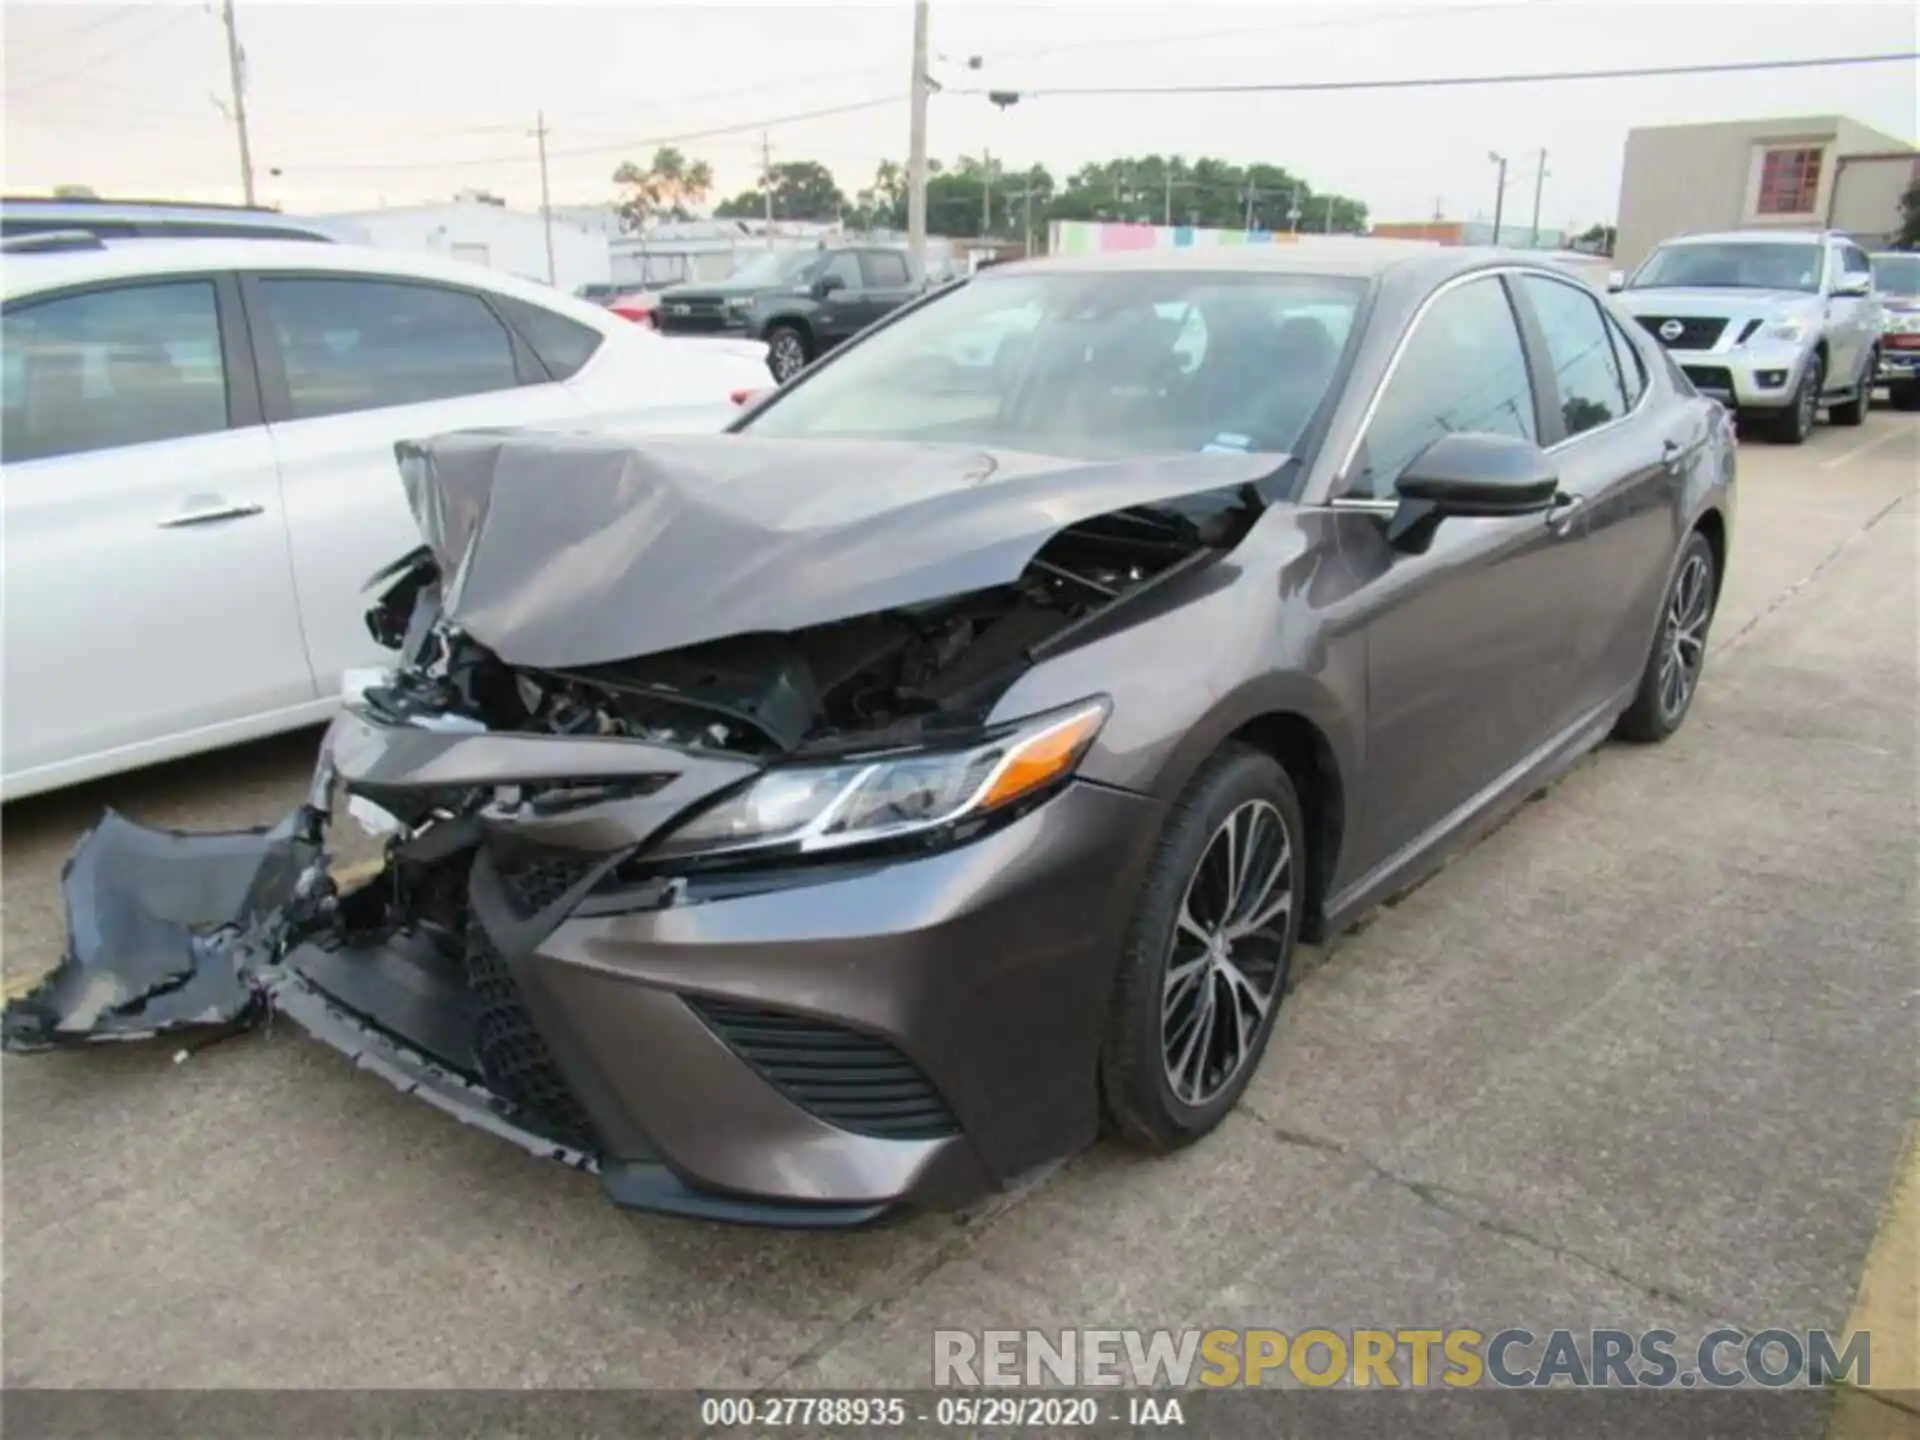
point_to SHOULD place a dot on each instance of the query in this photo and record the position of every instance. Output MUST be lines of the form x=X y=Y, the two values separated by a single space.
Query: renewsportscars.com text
x=1415 y=1358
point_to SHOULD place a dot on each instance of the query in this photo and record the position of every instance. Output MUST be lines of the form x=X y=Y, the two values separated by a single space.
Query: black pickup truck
x=800 y=302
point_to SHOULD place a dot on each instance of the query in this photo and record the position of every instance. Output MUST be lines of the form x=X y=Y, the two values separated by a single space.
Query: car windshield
x=774 y=267
x=1090 y=366
x=1742 y=265
x=1897 y=274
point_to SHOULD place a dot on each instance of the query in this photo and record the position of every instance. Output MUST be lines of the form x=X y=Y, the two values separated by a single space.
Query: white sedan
x=199 y=473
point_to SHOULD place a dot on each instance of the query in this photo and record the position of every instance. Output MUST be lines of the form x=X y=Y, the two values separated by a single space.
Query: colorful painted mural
x=1092 y=237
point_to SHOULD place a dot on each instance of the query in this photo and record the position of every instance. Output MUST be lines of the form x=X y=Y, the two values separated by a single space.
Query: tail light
x=747 y=397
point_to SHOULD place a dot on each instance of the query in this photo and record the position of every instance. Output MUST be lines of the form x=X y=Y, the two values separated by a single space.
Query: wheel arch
x=1713 y=525
x=1303 y=750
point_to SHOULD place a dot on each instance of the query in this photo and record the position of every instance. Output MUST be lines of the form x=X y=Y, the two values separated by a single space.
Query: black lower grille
x=1711 y=378
x=514 y=1058
x=535 y=879
x=1694 y=333
x=857 y=1082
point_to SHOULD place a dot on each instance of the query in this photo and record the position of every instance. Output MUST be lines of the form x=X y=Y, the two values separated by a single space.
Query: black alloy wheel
x=786 y=352
x=1853 y=410
x=1207 y=956
x=1672 y=675
x=1796 y=424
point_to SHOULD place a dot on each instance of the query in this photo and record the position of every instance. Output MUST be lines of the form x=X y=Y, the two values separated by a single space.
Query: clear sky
x=358 y=104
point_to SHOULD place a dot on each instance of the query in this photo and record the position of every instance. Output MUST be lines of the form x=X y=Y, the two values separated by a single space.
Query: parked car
x=1896 y=276
x=597 y=294
x=849 y=812
x=198 y=451
x=1774 y=324
x=164 y=220
x=801 y=302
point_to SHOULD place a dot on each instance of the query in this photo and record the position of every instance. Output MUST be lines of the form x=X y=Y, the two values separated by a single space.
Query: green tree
x=1596 y=238
x=667 y=189
x=801 y=190
x=1909 y=236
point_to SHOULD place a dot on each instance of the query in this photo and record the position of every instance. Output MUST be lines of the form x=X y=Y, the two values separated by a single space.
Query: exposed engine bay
x=903 y=676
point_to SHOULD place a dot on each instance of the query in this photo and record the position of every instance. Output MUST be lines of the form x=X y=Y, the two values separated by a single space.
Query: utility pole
x=1027 y=202
x=1166 y=208
x=1293 y=210
x=917 y=142
x=237 y=77
x=1327 y=229
x=1247 y=224
x=986 y=193
x=546 y=201
x=1500 y=196
x=1539 y=183
x=766 y=176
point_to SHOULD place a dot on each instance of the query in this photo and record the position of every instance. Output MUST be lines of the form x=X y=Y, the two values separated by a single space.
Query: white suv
x=1774 y=324
x=199 y=473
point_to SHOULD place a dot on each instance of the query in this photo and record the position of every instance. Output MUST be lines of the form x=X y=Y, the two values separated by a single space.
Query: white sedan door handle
x=208 y=517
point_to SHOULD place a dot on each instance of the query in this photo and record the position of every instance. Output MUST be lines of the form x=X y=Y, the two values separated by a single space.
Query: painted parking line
x=1846 y=456
x=1887 y=1307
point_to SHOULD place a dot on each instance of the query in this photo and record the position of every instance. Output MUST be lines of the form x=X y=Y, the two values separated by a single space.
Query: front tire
x=1672 y=675
x=788 y=351
x=1796 y=424
x=1854 y=411
x=1207 y=954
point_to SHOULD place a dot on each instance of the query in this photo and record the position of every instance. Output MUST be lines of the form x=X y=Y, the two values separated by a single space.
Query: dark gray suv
x=859 y=809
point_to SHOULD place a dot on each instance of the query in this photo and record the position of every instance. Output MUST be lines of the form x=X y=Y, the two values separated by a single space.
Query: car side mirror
x=1854 y=285
x=1469 y=476
x=1616 y=281
x=827 y=284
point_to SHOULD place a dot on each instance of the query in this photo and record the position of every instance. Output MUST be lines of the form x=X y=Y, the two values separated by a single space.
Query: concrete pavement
x=1643 y=1056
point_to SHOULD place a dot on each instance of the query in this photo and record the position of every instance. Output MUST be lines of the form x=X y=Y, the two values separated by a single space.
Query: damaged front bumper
x=812 y=1044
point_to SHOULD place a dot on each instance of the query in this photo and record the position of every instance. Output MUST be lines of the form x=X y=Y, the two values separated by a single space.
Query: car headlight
x=740 y=302
x=1791 y=331
x=808 y=808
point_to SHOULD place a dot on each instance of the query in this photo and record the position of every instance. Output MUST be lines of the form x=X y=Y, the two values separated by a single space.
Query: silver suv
x=1774 y=324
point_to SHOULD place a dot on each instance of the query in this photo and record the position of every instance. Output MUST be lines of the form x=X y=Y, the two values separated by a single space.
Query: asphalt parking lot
x=1645 y=1055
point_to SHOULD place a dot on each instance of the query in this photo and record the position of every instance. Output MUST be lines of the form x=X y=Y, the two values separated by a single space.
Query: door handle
x=1566 y=509
x=209 y=517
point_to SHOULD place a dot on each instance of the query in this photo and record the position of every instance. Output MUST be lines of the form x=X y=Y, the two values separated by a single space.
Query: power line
x=169 y=21
x=616 y=148
x=1644 y=72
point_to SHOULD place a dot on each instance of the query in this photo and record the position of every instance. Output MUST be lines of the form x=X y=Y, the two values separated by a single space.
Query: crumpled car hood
x=579 y=550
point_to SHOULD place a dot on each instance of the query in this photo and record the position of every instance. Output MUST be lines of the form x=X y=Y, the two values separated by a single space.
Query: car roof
x=28 y=272
x=1360 y=258
x=1756 y=237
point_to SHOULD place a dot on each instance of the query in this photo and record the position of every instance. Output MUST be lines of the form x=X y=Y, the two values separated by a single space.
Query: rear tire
x=1794 y=425
x=1204 y=967
x=1679 y=655
x=1854 y=411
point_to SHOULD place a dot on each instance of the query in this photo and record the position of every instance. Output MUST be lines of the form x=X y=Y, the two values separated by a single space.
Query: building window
x=1789 y=181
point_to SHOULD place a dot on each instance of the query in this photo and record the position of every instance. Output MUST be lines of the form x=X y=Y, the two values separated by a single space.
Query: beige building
x=1806 y=172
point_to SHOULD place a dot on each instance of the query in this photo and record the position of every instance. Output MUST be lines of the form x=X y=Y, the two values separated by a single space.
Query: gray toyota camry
x=868 y=806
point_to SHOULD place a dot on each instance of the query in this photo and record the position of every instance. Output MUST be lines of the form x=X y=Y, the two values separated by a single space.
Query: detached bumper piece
x=166 y=932
x=176 y=933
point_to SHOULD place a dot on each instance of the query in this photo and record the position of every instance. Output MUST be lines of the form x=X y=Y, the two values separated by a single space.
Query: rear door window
x=355 y=344
x=884 y=269
x=1585 y=370
x=124 y=365
x=562 y=345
